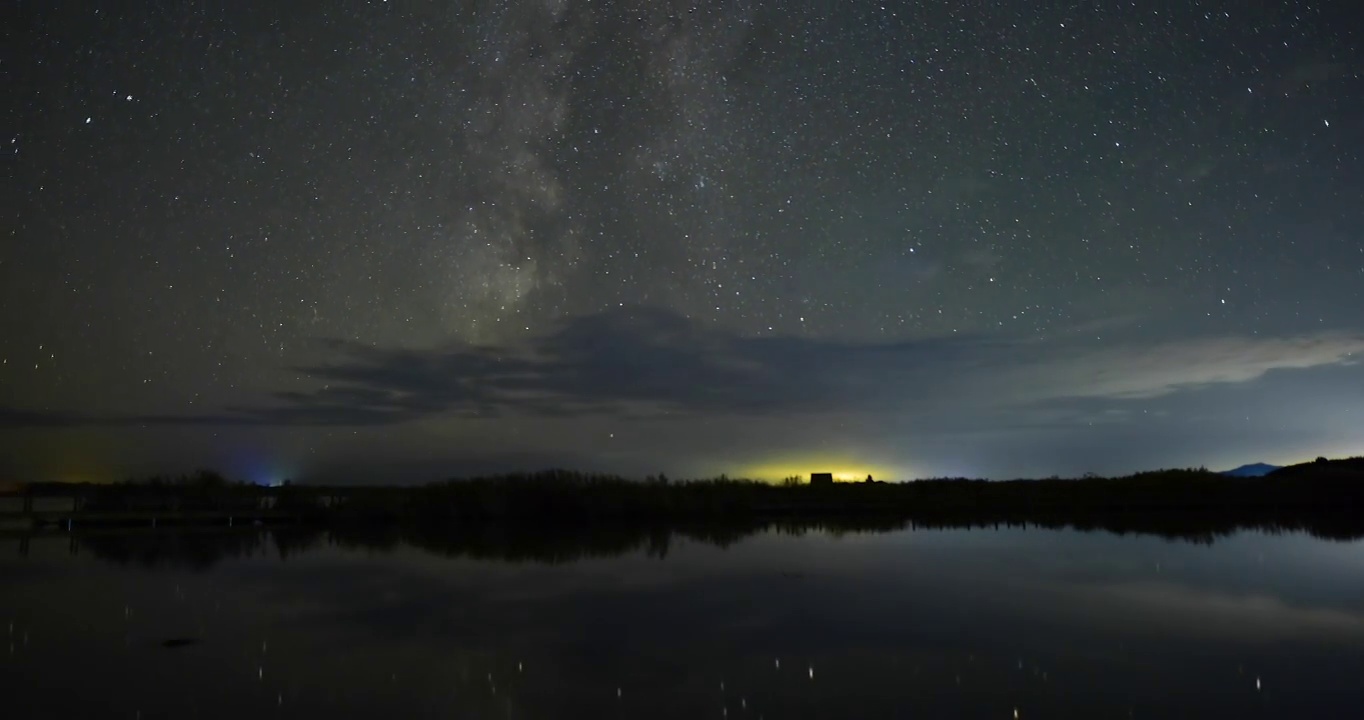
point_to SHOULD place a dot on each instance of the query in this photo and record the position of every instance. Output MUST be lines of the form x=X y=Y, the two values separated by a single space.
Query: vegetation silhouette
x=531 y=513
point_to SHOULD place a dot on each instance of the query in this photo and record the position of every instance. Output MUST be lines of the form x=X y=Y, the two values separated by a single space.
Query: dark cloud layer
x=652 y=362
x=657 y=362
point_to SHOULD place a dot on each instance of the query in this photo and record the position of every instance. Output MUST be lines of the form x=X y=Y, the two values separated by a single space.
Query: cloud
x=1246 y=617
x=648 y=361
x=1132 y=372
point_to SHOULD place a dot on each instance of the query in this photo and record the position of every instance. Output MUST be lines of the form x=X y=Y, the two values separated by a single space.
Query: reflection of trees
x=510 y=542
x=528 y=542
x=197 y=548
x=290 y=541
x=185 y=549
x=522 y=542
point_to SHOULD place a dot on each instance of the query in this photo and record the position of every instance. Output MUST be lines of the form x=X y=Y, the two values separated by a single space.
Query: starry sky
x=399 y=241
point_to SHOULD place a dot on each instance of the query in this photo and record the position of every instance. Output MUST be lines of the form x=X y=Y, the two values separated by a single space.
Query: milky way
x=209 y=200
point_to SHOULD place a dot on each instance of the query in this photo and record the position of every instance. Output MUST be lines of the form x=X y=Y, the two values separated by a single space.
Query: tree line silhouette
x=568 y=514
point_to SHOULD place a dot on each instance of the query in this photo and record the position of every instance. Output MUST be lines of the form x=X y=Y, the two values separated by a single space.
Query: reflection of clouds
x=445 y=623
x=1188 y=610
x=1092 y=581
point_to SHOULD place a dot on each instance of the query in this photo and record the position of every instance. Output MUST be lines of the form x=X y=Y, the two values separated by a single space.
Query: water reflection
x=739 y=621
x=202 y=548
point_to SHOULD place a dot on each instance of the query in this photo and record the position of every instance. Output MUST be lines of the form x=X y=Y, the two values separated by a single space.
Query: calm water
x=953 y=624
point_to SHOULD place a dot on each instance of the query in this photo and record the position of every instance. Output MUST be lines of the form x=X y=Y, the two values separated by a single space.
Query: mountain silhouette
x=1251 y=470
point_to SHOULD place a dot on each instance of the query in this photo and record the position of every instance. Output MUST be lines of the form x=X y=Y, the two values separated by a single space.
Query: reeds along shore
x=1324 y=497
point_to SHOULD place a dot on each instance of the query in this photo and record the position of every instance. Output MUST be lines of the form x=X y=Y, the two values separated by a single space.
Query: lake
x=952 y=623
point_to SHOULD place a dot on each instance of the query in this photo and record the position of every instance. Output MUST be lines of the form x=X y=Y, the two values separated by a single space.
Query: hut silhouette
x=821 y=478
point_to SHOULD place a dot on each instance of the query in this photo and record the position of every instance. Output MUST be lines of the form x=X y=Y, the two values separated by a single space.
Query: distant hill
x=1251 y=470
x=1323 y=468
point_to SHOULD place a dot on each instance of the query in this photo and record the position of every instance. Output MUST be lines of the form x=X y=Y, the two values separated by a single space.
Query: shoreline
x=1325 y=497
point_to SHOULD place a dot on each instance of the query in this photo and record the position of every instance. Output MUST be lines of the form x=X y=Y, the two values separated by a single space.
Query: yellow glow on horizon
x=843 y=469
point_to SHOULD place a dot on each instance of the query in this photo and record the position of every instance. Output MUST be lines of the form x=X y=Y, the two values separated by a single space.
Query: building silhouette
x=821 y=478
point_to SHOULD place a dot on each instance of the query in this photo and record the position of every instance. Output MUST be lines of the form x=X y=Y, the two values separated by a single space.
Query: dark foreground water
x=911 y=624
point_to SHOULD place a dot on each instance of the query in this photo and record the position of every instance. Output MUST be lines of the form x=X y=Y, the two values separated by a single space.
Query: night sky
x=398 y=241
